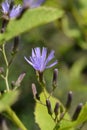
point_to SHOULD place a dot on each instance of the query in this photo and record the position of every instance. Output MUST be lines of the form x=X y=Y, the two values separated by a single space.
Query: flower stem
x=41 y=81
x=7 y=67
x=15 y=118
x=4 y=54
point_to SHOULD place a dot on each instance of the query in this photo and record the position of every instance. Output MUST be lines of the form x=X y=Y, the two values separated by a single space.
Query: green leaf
x=52 y=3
x=31 y=19
x=7 y=99
x=44 y=120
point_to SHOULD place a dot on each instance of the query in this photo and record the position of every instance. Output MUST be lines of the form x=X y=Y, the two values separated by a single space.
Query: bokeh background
x=68 y=37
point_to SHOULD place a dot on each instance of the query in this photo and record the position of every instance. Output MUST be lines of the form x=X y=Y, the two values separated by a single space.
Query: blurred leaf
x=83 y=44
x=77 y=67
x=7 y=99
x=31 y=19
x=45 y=121
x=83 y=3
x=70 y=32
x=53 y=3
x=84 y=16
x=18 y=1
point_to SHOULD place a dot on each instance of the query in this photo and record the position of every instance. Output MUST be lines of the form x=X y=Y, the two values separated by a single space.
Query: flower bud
x=77 y=111
x=55 y=77
x=35 y=94
x=69 y=100
x=56 y=108
x=18 y=82
x=49 y=108
x=20 y=79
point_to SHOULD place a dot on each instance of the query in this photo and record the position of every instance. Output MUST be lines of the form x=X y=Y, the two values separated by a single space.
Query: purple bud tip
x=56 y=108
x=49 y=108
x=55 y=77
x=20 y=79
x=69 y=100
x=34 y=89
x=77 y=111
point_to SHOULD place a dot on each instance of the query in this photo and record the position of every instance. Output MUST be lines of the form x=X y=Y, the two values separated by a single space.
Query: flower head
x=15 y=11
x=11 y=13
x=39 y=60
x=33 y=3
x=5 y=7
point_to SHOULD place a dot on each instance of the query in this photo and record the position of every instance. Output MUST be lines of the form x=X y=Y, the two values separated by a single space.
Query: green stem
x=15 y=119
x=41 y=81
x=7 y=67
x=42 y=84
x=6 y=79
x=4 y=54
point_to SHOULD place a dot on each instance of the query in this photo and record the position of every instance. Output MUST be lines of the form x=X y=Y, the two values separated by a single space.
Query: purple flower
x=11 y=13
x=5 y=7
x=33 y=3
x=39 y=60
x=15 y=11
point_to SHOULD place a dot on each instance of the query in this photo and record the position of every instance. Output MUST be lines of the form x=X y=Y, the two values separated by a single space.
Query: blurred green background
x=68 y=37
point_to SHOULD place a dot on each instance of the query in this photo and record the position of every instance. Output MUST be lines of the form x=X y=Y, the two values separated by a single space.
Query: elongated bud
x=77 y=111
x=69 y=100
x=18 y=82
x=55 y=78
x=56 y=109
x=34 y=90
x=49 y=108
x=20 y=79
x=15 y=46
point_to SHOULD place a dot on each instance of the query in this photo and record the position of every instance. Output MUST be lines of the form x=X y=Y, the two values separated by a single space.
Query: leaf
x=53 y=3
x=30 y=19
x=68 y=30
x=44 y=120
x=77 y=67
x=7 y=99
